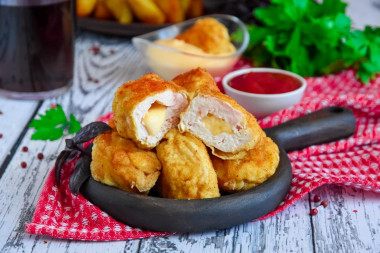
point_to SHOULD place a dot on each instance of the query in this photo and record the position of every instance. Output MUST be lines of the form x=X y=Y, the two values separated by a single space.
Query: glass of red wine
x=36 y=48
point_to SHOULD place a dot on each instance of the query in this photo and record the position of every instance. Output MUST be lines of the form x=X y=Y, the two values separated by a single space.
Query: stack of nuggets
x=176 y=121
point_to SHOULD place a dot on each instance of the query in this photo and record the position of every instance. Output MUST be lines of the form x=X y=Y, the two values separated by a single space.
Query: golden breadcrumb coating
x=111 y=123
x=187 y=171
x=209 y=35
x=228 y=155
x=254 y=168
x=130 y=95
x=195 y=80
x=118 y=162
x=199 y=83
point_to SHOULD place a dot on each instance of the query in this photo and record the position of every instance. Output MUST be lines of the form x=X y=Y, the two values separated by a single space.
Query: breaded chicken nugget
x=209 y=35
x=145 y=109
x=254 y=168
x=215 y=118
x=118 y=162
x=187 y=171
x=195 y=80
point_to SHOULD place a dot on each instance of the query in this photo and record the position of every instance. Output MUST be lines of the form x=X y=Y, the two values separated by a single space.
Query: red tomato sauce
x=265 y=83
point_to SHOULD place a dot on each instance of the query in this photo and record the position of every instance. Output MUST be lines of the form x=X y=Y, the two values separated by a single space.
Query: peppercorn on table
x=347 y=220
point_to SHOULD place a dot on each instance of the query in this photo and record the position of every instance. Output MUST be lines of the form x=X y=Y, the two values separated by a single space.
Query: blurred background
x=363 y=12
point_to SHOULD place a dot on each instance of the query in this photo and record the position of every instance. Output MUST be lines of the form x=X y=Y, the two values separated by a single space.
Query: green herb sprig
x=312 y=39
x=52 y=125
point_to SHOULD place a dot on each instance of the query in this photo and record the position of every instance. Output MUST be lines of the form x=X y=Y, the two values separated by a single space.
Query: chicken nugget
x=195 y=80
x=147 y=108
x=187 y=171
x=209 y=35
x=215 y=118
x=118 y=162
x=254 y=168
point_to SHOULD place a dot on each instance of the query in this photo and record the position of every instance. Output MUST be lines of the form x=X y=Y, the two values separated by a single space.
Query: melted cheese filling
x=154 y=118
x=216 y=125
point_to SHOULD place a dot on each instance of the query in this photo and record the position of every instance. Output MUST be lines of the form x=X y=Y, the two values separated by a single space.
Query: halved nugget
x=254 y=168
x=120 y=163
x=215 y=118
x=147 y=108
x=187 y=171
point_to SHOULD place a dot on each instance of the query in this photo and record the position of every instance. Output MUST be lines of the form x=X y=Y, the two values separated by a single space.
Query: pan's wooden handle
x=326 y=125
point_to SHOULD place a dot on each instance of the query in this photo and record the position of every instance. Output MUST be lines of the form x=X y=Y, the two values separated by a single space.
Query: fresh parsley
x=52 y=125
x=311 y=39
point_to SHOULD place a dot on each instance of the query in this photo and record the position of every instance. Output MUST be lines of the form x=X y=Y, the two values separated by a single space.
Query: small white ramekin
x=262 y=105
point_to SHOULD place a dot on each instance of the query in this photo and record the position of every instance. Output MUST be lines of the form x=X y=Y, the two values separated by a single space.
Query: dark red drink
x=36 y=48
x=265 y=83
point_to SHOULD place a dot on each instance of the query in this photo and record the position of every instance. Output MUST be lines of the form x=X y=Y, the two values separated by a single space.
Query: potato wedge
x=195 y=9
x=102 y=11
x=185 y=5
x=172 y=10
x=85 y=7
x=146 y=11
x=120 y=10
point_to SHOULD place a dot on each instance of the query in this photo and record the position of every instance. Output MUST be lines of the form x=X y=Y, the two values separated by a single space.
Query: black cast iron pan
x=171 y=215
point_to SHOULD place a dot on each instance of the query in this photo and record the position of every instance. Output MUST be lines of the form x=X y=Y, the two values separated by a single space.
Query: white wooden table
x=350 y=223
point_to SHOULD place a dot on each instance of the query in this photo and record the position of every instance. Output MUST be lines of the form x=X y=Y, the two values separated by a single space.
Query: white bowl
x=262 y=105
x=168 y=62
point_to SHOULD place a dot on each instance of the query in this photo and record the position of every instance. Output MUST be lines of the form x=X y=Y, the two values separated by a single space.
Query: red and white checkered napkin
x=353 y=162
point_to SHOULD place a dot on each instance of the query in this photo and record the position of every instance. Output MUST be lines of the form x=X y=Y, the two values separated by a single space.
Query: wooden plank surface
x=88 y=100
x=14 y=117
x=275 y=234
x=96 y=78
x=363 y=13
x=350 y=222
x=254 y=236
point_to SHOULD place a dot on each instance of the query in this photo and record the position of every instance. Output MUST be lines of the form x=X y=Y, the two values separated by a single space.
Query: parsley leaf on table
x=74 y=125
x=311 y=39
x=52 y=125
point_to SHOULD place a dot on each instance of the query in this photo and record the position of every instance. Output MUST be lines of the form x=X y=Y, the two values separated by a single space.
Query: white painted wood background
x=336 y=228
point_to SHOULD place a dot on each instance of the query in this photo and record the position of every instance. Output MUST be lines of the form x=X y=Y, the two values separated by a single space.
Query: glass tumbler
x=36 y=48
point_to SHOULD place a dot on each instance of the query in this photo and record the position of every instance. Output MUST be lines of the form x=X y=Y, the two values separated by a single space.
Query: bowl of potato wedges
x=134 y=17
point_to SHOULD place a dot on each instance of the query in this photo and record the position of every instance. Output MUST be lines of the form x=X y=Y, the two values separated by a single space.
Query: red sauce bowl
x=263 y=91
